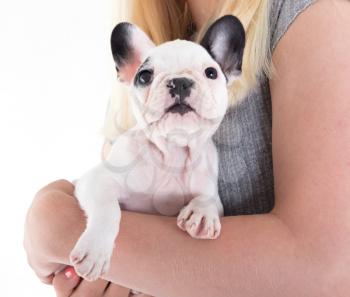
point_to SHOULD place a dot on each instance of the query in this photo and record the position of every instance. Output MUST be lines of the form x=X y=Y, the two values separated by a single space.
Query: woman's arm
x=145 y=240
x=302 y=247
x=253 y=254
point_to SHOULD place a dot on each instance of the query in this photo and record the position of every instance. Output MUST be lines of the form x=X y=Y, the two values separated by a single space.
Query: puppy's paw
x=201 y=222
x=91 y=256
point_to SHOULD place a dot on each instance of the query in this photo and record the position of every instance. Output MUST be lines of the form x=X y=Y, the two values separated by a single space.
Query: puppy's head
x=180 y=87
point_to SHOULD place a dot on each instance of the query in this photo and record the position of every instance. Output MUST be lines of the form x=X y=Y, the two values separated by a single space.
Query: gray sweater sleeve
x=282 y=15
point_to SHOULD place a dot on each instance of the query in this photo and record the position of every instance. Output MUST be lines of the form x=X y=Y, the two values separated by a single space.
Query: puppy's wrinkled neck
x=178 y=150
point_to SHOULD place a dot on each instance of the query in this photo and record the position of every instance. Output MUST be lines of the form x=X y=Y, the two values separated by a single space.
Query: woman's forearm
x=254 y=254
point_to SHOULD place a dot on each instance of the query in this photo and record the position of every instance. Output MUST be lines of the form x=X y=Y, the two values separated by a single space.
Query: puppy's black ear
x=225 y=41
x=130 y=46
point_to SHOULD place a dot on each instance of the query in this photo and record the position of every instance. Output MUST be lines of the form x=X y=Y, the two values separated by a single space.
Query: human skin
x=301 y=247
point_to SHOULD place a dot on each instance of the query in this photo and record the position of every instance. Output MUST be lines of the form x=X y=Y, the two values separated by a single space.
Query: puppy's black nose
x=180 y=88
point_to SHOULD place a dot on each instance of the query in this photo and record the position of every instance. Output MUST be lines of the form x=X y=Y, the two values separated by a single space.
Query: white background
x=56 y=75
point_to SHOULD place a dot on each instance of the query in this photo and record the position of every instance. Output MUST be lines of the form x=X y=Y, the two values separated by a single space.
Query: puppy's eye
x=145 y=77
x=211 y=73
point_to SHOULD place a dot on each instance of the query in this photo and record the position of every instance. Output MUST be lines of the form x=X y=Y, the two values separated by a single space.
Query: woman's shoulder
x=282 y=15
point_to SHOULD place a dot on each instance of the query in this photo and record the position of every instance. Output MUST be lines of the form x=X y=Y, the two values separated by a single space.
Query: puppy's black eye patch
x=144 y=77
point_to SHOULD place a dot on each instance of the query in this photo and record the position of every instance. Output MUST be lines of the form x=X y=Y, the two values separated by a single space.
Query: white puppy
x=168 y=163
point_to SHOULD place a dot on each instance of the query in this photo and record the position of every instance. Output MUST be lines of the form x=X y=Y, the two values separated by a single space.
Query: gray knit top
x=244 y=138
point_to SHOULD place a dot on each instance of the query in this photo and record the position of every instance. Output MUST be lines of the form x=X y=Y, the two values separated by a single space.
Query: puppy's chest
x=154 y=187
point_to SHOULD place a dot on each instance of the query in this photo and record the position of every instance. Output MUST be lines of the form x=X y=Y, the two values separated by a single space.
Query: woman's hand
x=68 y=284
x=36 y=252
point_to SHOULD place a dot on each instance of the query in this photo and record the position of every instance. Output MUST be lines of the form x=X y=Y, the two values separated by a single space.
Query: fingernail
x=70 y=272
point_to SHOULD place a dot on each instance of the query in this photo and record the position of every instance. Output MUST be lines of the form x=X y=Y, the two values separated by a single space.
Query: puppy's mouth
x=181 y=108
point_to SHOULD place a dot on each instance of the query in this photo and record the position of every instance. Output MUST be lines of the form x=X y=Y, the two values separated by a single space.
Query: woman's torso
x=244 y=139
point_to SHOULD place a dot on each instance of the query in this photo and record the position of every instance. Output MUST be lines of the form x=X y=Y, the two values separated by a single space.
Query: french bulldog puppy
x=167 y=164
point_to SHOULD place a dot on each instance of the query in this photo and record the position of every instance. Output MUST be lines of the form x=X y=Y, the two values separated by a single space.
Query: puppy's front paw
x=201 y=222
x=91 y=256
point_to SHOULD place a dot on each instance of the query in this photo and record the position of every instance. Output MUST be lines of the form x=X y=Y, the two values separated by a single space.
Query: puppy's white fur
x=167 y=164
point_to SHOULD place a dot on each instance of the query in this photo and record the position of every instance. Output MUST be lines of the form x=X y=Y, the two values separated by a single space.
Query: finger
x=65 y=282
x=116 y=291
x=46 y=279
x=91 y=289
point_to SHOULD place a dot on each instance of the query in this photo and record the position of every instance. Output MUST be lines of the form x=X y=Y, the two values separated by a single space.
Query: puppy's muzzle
x=180 y=89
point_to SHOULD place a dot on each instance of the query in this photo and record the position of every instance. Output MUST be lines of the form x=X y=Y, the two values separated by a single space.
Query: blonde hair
x=165 y=20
